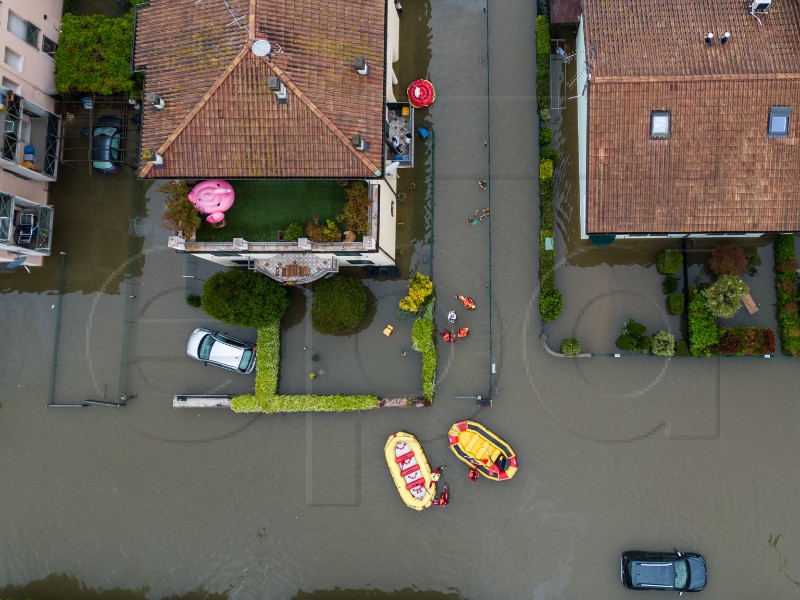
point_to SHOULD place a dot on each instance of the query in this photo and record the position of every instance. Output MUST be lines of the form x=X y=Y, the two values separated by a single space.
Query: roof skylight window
x=779 y=122
x=659 y=123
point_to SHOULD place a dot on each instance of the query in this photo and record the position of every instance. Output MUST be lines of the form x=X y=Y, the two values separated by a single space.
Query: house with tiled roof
x=274 y=90
x=689 y=117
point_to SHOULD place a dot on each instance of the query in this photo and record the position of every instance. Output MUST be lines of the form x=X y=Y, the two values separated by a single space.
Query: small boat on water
x=410 y=470
x=481 y=449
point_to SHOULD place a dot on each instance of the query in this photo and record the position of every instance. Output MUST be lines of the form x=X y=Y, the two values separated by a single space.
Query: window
x=779 y=122
x=659 y=123
x=11 y=85
x=23 y=29
x=13 y=60
x=49 y=47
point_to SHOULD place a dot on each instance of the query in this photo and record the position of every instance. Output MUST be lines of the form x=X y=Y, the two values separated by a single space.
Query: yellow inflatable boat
x=410 y=470
x=480 y=448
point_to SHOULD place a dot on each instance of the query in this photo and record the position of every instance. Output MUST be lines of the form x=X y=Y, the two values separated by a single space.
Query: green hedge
x=703 y=331
x=746 y=340
x=303 y=403
x=551 y=303
x=543 y=62
x=268 y=359
x=787 y=295
x=669 y=262
x=422 y=340
x=676 y=303
x=571 y=347
x=429 y=360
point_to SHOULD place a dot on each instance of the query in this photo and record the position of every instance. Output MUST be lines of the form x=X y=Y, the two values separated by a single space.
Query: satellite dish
x=261 y=48
x=17 y=262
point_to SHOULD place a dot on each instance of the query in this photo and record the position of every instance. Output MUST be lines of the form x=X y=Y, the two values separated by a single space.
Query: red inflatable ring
x=421 y=93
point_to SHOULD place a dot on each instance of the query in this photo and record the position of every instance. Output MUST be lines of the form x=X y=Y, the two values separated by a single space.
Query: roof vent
x=261 y=48
x=708 y=38
x=360 y=65
x=359 y=142
x=153 y=157
x=276 y=85
x=723 y=39
x=156 y=100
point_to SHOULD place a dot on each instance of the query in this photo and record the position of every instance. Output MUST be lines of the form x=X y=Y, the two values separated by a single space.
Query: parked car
x=106 y=142
x=221 y=350
x=676 y=571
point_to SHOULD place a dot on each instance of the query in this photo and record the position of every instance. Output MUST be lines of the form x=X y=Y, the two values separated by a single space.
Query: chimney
x=156 y=100
x=360 y=65
x=708 y=38
x=723 y=39
x=359 y=142
x=276 y=85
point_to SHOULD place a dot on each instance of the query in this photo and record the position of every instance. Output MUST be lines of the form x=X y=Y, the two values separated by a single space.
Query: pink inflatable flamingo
x=213 y=197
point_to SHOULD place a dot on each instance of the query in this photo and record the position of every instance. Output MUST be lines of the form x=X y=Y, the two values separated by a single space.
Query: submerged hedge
x=266 y=398
x=543 y=62
x=788 y=298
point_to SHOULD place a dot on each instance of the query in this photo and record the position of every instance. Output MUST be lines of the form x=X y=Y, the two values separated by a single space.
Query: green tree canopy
x=94 y=54
x=724 y=297
x=244 y=298
x=339 y=304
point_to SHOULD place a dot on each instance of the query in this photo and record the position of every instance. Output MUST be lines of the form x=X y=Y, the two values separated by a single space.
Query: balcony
x=30 y=139
x=25 y=226
x=400 y=133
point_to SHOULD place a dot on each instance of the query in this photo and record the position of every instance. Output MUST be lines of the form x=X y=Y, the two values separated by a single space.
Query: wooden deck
x=750 y=304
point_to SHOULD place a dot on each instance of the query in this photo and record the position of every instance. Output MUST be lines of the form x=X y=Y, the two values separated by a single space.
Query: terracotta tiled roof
x=220 y=118
x=565 y=11
x=640 y=38
x=717 y=171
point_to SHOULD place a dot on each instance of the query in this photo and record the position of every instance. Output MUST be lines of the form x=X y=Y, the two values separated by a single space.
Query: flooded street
x=145 y=501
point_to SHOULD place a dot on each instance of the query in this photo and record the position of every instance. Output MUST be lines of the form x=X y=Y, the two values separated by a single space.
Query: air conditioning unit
x=760 y=6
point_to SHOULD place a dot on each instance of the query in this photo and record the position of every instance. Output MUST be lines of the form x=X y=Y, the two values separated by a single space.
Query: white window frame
x=660 y=124
x=23 y=29
x=779 y=112
x=17 y=64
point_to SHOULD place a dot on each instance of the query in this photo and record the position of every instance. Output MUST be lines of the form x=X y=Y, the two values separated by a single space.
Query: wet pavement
x=145 y=501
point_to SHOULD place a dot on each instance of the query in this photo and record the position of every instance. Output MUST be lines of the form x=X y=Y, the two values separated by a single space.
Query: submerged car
x=676 y=571
x=221 y=350
x=106 y=142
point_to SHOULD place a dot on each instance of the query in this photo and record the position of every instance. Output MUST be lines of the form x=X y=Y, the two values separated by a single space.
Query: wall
x=583 y=123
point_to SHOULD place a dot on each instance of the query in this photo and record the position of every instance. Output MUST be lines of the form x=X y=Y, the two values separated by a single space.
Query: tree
x=244 y=298
x=724 y=296
x=728 y=260
x=420 y=289
x=339 y=305
x=179 y=214
x=94 y=54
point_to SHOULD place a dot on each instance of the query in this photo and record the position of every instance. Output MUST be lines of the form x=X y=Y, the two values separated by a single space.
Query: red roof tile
x=220 y=118
x=717 y=171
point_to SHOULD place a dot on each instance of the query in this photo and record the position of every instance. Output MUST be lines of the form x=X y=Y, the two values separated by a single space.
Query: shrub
x=244 y=298
x=338 y=305
x=703 y=332
x=542 y=62
x=728 y=260
x=550 y=154
x=545 y=135
x=323 y=233
x=546 y=203
x=681 y=348
x=570 y=347
x=787 y=295
x=547 y=263
x=194 y=300
x=422 y=334
x=724 y=296
x=268 y=359
x=746 y=340
x=670 y=284
x=676 y=303
x=634 y=328
x=545 y=169
x=355 y=214
x=784 y=248
x=753 y=261
x=179 y=214
x=550 y=305
x=429 y=360
x=627 y=342
x=669 y=262
x=645 y=345
x=302 y=403
x=663 y=344
x=293 y=232
x=420 y=290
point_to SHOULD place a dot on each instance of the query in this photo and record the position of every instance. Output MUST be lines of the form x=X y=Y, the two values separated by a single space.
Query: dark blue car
x=675 y=571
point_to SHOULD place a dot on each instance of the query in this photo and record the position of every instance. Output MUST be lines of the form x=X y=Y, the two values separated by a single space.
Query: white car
x=221 y=350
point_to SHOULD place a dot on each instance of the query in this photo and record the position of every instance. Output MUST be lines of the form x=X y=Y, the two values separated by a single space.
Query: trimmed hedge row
x=788 y=298
x=551 y=303
x=267 y=400
x=543 y=62
x=746 y=340
x=303 y=403
x=422 y=340
x=703 y=332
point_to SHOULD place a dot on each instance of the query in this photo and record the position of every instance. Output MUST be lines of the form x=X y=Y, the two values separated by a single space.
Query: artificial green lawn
x=262 y=208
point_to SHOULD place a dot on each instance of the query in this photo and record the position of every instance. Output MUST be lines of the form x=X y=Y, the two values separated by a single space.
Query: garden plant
x=788 y=298
x=669 y=262
x=338 y=305
x=724 y=296
x=244 y=298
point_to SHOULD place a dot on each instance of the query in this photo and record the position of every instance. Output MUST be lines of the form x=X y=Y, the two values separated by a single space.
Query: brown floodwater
x=146 y=501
